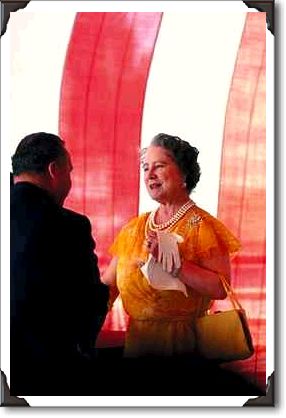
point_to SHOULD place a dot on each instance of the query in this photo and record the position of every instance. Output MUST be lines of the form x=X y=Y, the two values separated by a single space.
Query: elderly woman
x=168 y=264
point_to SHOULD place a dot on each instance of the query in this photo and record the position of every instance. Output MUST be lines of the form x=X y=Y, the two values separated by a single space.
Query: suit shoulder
x=73 y=216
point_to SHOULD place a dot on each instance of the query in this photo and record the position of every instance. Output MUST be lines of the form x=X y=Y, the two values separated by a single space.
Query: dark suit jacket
x=58 y=303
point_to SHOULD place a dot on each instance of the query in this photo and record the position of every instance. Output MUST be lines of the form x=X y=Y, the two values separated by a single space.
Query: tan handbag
x=224 y=336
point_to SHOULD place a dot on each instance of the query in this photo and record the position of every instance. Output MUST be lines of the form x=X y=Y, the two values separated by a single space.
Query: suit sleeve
x=84 y=297
x=94 y=293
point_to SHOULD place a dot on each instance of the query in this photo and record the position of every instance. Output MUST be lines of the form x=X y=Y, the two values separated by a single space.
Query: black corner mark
x=6 y=398
x=264 y=6
x=6 y=8
x=268 y=399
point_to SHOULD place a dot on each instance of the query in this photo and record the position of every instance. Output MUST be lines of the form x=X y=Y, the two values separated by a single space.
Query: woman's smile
x=162 y=176
x=155 y=185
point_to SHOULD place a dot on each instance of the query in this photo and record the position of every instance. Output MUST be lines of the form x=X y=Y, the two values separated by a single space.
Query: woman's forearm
x=109 y=276
x=204 y=281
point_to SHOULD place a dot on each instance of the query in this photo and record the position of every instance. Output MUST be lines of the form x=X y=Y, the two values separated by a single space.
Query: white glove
x=160 y=279
x=168 y=252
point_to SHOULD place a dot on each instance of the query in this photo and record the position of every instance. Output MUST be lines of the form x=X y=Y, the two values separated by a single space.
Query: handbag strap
x=230 y=293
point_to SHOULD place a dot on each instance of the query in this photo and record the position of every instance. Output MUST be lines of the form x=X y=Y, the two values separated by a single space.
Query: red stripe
x=74 y=95
x=242 y=190
x=101 y=109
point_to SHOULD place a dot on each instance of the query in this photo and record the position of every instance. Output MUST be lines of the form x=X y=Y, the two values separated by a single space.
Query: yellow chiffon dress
x=161 y=321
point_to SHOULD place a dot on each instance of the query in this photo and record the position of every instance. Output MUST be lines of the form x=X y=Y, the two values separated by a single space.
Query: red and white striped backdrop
x=107 y=82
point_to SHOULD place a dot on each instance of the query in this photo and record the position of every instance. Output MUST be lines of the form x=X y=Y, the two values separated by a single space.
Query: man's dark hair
x=36 y=151
x=184 y=155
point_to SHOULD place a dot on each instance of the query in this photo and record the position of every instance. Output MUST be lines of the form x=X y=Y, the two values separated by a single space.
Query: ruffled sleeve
x=205 y=236
x=213 y=235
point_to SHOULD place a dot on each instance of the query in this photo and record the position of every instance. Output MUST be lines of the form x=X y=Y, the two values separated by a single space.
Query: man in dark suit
x=58 y=303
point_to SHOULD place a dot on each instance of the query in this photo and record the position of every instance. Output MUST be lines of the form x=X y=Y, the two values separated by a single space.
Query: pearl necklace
x=171 y=222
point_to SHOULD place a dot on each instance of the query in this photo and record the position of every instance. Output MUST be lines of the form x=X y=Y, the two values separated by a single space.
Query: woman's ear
x=184 y=182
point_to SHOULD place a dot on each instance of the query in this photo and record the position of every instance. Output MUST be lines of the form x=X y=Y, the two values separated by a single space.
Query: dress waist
x=181 y=318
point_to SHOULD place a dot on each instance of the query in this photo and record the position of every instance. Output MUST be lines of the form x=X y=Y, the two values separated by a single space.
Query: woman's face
x=162 y=176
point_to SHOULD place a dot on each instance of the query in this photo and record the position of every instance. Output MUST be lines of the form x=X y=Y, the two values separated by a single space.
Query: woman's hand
x=168 y=251
x=164 y=248
x=152 y=244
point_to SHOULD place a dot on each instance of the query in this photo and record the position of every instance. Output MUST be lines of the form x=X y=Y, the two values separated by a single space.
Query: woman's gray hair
x=183 y=154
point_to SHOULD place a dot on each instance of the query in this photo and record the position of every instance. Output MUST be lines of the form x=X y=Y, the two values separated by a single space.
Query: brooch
x=195 y=220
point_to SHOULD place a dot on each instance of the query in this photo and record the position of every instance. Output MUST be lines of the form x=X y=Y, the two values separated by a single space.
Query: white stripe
x=38 y=44
x=140 y=401
x=140 y=6
x=188 y=88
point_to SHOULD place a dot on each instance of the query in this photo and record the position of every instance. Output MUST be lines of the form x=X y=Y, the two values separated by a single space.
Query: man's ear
x=53 y=169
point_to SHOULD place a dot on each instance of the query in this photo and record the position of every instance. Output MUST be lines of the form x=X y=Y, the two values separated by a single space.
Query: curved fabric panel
x=102 y=97
x=242 y=191
x=101 y=109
